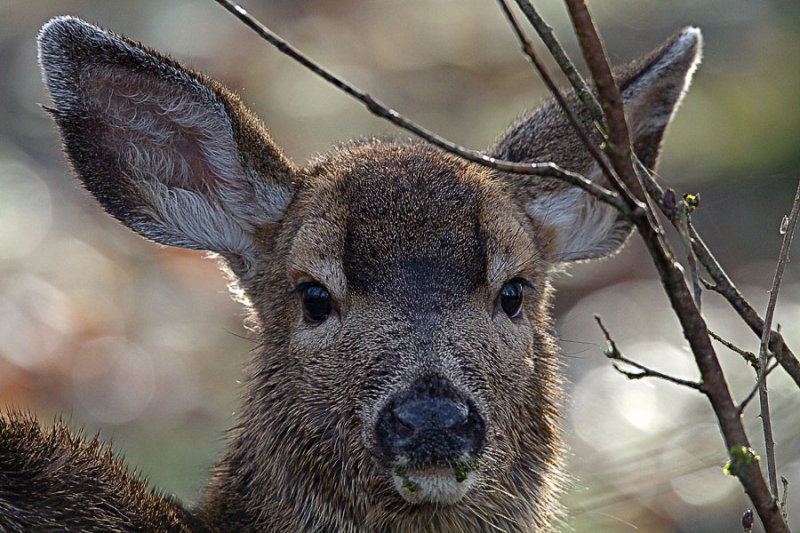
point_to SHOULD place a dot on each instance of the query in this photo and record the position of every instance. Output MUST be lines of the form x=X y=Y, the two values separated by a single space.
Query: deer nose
x=430 y=423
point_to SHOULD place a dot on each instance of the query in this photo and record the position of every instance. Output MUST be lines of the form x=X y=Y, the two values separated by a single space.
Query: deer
x=408 y=375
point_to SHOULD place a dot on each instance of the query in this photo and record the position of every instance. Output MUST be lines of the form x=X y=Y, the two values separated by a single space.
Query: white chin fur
x=432 y=485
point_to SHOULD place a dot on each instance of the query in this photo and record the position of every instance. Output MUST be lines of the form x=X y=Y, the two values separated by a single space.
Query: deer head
x=408 y=376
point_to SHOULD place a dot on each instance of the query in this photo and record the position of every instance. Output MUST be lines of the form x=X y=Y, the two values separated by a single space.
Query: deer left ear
x=169 y=152
x=653 y=87
x=583 y=227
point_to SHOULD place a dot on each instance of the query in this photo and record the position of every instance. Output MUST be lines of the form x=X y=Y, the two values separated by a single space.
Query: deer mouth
x=435 y=483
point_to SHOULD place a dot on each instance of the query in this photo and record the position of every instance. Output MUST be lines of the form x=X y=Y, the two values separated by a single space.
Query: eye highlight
x=316 y=301
x=511 y=297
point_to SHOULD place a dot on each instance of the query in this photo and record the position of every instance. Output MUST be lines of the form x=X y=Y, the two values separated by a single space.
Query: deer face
x=415 y=292
x=407 y=377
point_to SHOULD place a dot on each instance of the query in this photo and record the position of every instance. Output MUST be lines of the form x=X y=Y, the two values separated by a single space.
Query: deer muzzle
x=432 y=435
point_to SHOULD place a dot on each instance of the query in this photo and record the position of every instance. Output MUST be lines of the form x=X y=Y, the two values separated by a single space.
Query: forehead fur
x=413 y=221
x=407 y=218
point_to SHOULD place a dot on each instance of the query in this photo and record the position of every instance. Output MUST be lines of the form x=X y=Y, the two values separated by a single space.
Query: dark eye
x=316 y=302
x=511 y=297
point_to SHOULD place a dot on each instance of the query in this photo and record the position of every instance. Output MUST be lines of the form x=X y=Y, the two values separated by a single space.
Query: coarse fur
x=414 y=247
x=55 y=480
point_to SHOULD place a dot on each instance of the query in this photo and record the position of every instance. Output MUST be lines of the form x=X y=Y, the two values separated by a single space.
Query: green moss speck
x=461 y=469
x=740 y=456
x=409 y=485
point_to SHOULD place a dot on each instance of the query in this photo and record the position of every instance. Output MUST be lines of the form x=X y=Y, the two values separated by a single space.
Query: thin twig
x=381 y=110
x=678 y=213
x=684 y=217
x=784 y=512
x=613 y=353
x=672 y=208
x=530 y=53
x=761 y=378
x=654 y=190
x=566 y=65
x=766 y=419
x=750 y=357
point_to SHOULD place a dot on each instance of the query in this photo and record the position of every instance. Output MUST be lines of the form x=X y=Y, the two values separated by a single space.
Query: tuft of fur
x=55 y=480
x=413 y=244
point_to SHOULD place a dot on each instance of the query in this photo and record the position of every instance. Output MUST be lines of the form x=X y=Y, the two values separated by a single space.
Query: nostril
x=401 y=428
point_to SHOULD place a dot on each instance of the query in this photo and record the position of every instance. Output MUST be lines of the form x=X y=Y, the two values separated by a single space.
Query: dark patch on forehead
x=413 y=229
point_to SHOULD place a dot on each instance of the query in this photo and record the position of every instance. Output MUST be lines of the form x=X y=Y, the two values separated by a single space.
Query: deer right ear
x=580 y=226
x=170 y=153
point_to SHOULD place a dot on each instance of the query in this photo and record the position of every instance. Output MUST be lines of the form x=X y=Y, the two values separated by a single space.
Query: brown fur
x=55 y=480
x=413 y=244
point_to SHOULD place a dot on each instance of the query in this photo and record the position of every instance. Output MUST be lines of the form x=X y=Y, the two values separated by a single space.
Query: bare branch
x=528 y=50
x=562 y=59
x=654 y=191
x=684 y=217
x=766 y=423
x=381 y=110
x=760 y=380
x=769 y=339
x=750 y=357
x=763 y=395
x=723 y=285
x=619 y=139
x=613 y=353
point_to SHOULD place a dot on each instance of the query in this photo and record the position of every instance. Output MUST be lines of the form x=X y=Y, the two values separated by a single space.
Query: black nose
x=430 y=423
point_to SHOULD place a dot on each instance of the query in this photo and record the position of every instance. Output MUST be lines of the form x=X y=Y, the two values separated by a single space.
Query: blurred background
x=143 y=344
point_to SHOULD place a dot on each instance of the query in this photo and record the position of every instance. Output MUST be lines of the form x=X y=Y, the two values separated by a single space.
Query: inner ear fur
x=168 y=151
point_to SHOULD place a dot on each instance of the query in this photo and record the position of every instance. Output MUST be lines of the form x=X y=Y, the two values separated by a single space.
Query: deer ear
x=170 y=153
x=581 y=226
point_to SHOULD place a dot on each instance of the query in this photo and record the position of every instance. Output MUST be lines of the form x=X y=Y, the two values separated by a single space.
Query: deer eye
x=511 y=297
x=316 y=302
